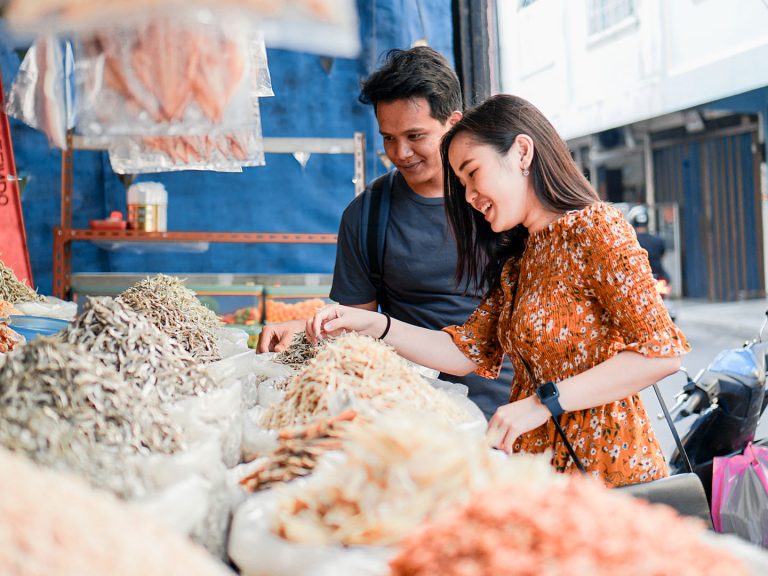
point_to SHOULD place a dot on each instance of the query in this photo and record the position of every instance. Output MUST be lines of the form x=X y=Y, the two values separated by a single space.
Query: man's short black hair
x=420 y=72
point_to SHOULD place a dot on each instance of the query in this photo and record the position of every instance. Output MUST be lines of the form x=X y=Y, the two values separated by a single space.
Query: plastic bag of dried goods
x=182 y=507
x=475 y=423
x=54 y=523
x=228 y=152
x=219 y=409
x=51 y=307
x=40 y=95
x=231 y=367
x=256 y=550
x=237 y=493
x=166 y=77
x=266 y=366
x=232 y=340
x=257 y=440
x=250 y=384
x=159 y=473
x=271 y=391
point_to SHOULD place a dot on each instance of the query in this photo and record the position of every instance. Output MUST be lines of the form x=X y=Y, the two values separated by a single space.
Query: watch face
x=548 y=390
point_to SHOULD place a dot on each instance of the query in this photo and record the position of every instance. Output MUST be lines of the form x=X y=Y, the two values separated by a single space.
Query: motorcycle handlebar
x=696 y=401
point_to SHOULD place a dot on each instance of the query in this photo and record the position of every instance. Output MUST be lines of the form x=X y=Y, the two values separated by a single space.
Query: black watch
x=549 y=396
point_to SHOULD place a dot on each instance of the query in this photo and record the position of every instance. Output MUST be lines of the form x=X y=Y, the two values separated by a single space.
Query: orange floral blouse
x=585 y=294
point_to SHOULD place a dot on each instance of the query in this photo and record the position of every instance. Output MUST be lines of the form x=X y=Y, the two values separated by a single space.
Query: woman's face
x=494 y=183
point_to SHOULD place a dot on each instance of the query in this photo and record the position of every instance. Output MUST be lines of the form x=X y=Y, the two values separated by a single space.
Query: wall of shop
x=281 y=196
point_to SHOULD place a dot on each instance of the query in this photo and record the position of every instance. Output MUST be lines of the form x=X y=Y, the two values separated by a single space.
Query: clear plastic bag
x=50 y=308
x=168 y=77
x=40 y=95
x=256 y=550
x=740 y=494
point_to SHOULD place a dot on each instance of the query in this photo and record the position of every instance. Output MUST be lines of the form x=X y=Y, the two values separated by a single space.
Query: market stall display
x=12 y=290
x=53 y=523
x=63 y=408
x=357 y=367
x=578 y=528
x=146 y=357
x=175 y=310
x=8 y=338
x=299 y=352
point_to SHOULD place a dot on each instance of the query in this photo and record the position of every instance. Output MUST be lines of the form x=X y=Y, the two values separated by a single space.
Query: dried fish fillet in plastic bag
x=170 y=77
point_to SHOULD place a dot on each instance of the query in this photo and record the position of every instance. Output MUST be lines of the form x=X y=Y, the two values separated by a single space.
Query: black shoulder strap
x=373 y=233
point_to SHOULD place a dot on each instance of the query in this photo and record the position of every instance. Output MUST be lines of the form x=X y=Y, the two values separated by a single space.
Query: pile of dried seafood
x=355 y=367
x=7 y=339
x=146 y=357
x=299 y=352
x=522 y=531
x=63 y=408
x=400 y=469
x=298 y=451
x=12 y=290
x=176 y=311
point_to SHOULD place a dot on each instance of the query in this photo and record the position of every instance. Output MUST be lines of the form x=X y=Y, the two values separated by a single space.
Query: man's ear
x=454 y=117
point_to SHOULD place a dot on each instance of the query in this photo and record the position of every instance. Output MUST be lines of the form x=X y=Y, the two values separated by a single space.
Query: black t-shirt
x=655 y=248
x=418 y=276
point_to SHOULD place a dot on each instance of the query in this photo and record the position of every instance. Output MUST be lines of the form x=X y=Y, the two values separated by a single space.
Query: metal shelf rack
x=64 y=235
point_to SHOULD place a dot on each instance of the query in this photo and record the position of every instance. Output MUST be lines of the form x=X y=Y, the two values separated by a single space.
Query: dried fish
x=63 y=408
x=400 y=468
x=298 y=451
x=174 y=309
x=128 y=341
x=12 y=290
x=359 y=367
x=300 y=351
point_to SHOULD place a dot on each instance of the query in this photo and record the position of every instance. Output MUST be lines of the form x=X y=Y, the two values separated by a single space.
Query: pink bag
x=740 y=494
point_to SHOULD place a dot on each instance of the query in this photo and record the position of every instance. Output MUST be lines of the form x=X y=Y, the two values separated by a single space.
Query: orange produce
x=278 y=311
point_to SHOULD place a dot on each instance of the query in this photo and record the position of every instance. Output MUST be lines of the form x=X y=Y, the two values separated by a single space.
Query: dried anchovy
x=12 y=290
x=63 y=408
x=174 y=309
x=299 y=352
x=129 y=342
x=359 y=367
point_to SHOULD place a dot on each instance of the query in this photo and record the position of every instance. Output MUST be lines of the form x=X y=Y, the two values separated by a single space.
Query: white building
x=663 y=102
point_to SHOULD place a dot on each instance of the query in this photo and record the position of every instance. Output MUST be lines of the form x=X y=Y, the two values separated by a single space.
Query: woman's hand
x=336 y=319
x=512 y=420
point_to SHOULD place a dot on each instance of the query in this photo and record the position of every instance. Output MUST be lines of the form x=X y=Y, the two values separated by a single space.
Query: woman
x=571 y=297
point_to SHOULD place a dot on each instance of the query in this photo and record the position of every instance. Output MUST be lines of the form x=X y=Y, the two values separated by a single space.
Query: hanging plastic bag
x=40 y=95
x=740 y=494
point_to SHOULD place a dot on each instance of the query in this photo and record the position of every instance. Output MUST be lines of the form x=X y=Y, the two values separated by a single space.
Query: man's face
x=412 y=140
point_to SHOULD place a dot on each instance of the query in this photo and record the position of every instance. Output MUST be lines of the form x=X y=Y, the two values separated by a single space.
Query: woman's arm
x=432 y=348
x=615 y=379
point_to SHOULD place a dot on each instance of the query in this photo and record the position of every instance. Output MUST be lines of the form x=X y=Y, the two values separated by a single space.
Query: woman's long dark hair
x=557 y=182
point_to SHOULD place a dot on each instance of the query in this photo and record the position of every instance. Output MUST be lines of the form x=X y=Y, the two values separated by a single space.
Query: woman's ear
x=525 y=150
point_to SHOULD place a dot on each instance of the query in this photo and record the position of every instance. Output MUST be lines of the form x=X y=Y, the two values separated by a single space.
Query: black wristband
x=386 y=330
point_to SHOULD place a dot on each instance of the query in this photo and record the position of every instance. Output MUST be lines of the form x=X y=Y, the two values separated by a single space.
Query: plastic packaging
x=51 y=307
x=40 y=95
x=255 y=549
x=169 y=77
x=740 y=494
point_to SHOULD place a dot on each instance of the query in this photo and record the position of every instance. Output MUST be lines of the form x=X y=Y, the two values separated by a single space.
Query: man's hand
x=277 y=337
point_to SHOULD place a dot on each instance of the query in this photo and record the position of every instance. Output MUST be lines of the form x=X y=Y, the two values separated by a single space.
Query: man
x=649 y=242
x=416 y=98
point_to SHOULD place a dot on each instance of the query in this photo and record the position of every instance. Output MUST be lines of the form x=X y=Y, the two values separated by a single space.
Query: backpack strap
x=373 y=231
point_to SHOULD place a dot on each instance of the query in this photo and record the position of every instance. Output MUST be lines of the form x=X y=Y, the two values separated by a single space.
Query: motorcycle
x=728 y=398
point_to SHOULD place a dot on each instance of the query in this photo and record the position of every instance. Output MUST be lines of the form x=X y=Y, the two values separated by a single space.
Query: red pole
x=13 y=238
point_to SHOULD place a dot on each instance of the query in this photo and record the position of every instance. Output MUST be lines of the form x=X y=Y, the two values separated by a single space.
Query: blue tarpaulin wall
x=279 y=197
